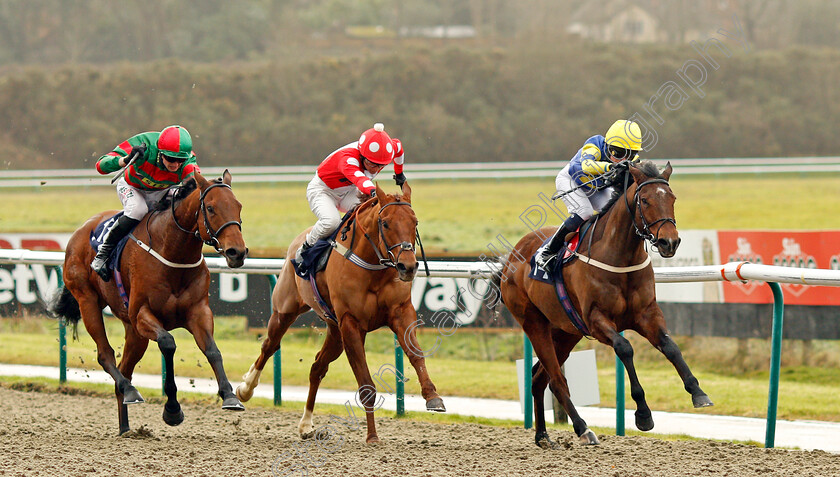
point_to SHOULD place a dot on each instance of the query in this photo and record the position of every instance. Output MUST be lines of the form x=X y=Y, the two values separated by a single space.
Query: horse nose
x=406 y=272
x=235 y=256
x=667 y=246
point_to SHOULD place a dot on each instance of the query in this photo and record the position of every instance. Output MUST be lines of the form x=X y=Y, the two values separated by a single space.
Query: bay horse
x=610 y=298
x=166 y=282
x=371 y=291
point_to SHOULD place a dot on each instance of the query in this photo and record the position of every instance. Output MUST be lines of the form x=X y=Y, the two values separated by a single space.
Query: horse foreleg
x=538 y=330
x=149 y=326
x=661 y=341
x=134 y=349
x=278 y=324
x=330 y=351
x=200 y=324
x=354 y=345
x=403 y=325
x=624 y=351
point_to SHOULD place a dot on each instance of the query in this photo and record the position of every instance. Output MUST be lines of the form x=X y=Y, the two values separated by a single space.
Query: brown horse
x=167 y=286
x=367 y=293
x=610 y=298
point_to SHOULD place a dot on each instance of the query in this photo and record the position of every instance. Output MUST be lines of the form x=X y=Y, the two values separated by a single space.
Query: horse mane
x=647 y=168
x=182 y=191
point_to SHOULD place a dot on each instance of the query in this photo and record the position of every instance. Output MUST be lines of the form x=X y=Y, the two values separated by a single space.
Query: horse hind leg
x=133 y=351
x=278 y=324
x=539 y=381
x=539 y=332
x=330 y=351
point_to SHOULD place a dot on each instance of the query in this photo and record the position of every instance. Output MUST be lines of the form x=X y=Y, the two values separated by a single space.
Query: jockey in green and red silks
x=155 y=162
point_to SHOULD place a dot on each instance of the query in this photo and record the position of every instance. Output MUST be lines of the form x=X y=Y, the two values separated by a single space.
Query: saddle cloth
x=97 y=237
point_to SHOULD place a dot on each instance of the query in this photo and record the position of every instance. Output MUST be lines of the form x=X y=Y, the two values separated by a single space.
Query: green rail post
x=775 y=363
x=619 y=396
x=398 y=360
x=162 y=375
x=62 y=339
x=528 y=364
x=278 y=361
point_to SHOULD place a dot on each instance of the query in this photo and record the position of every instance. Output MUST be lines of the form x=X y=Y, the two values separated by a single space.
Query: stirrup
x=544 y=261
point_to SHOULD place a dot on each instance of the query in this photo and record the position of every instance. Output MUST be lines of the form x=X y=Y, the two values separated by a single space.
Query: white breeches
x=135 y=201
x=328 y=205
x=582 y=201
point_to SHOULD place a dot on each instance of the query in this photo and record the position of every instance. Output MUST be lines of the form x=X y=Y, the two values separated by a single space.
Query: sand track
x=45 y=433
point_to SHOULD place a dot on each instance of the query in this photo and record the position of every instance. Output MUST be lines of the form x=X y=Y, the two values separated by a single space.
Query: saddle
x=315 y=258
x=97 y=237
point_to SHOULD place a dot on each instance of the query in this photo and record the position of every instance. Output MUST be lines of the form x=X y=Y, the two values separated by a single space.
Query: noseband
x=645 y=232
x=213 y=235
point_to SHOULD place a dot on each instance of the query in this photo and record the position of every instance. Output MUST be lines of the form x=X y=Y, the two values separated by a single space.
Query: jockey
x=153 y=162
x=344 y=178
x=586 y=190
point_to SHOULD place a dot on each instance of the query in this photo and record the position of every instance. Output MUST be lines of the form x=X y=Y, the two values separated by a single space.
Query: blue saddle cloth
x=97 y=237
x=554 y=277
x=315 y=258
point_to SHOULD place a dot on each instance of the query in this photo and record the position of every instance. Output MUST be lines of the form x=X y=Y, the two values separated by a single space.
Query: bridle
x=645 y=232
x=213 y=235
x=391 y=260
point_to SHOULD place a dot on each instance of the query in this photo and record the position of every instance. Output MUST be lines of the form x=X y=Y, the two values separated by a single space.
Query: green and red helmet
x=175 y=142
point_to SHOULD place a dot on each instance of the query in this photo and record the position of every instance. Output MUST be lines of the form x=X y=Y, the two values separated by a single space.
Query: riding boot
x=100 y=263
x=548 y=253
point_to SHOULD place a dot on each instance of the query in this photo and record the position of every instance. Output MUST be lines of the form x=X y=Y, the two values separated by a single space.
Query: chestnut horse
x=367 y=293
x=167 y=283
x=613 y=292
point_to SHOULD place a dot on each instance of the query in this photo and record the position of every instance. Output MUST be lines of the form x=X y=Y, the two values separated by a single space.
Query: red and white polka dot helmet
x=376 y=145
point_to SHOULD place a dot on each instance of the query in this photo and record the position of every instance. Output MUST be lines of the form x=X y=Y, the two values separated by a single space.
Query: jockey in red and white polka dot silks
x=344 y=178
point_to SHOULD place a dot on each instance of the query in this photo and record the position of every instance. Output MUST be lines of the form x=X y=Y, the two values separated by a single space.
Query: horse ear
x=668 y=170
x=379 y=193
x=200 y=181
x=637 y=173
x=226 y=177
x=406 y=192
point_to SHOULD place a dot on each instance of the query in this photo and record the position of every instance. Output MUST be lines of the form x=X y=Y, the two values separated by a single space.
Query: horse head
x=397 y=227
x=219 y=218
x=655 y=207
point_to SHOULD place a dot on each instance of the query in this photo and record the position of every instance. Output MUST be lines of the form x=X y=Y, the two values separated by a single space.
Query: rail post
x=528 y=364
x=62 y=339
x=775 y=363
x=398 y=360
x=619 y=396
x=278 y=361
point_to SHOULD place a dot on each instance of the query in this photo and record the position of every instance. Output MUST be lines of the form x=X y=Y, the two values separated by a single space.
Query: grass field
x=463 y=216
x=462 y=367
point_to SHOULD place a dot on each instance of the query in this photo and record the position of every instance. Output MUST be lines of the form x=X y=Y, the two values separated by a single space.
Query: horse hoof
x=132 y=396
x=588 y=438
x=232 y=404
x=544 y=442
x=701 y=401
x=243 y=393
x=307 y=435
x=435 y=405
x=644 y=422
x=373 y=440
x=173 y=418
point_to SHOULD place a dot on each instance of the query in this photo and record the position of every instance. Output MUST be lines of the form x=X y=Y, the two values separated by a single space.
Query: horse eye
x=644 y=201
x=210 y=209
x=385 y=225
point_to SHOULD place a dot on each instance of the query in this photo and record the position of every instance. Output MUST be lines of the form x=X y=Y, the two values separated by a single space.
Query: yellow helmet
x=623 y=135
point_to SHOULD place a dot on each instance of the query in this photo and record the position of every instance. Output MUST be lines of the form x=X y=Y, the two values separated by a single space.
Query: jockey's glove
x=399 y=179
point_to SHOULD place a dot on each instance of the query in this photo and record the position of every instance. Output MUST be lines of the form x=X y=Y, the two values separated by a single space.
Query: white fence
x=477 y=170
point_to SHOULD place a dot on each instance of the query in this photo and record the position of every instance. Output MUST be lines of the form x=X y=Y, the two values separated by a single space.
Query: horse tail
x=64 y=305
x=494 y=290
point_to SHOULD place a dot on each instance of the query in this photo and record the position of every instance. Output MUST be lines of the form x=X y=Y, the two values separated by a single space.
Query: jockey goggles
x=178 y=160
x=372 y=166
x=621 y=153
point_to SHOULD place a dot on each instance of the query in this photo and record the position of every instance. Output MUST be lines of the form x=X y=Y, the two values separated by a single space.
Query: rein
x=213 y=235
